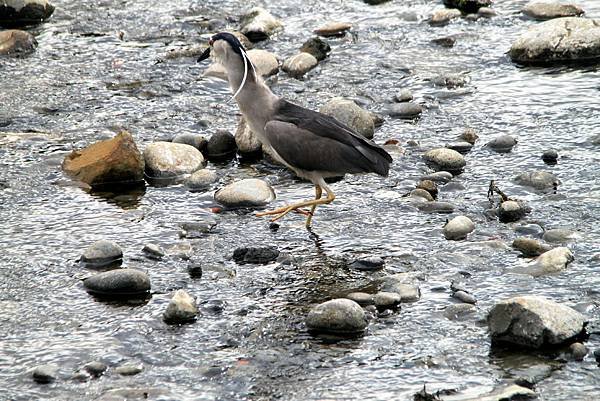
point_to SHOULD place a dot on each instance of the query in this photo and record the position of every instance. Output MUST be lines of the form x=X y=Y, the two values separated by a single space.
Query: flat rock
x=400 y=284
x=467 y=6
x=443 y=16
x=317 y=47
x=368 y=264
x=451 y=80
x=120 y=283
x=442 y=177
x=45 y=374
x=456 y=311
x=349 y=113
x=533 y=322
x=299 y=64
x=113 y=161
x=245 y=193
x=545 y=10
x=407 y=110
x=465 y=297
x=129 y=369
x=247 y=142
x=361 y=298
x=257 y=255
x=530 y=247
x=20 y=13
x=197 y=141
x=550 y=262
x=436 y=207
x=506 y=393
x=558 y=40
x=541 y=180
x=168 y=160
x=559 y=235
x=458 y=228
x=502 y=143
x=333 y=29
x=102 y=253
x=201 y=180
x=221 y=146
x=182 y=308
x=16 y=43
x=258 y=24
x=338 y=316
x=387 y=300
x=445 y=159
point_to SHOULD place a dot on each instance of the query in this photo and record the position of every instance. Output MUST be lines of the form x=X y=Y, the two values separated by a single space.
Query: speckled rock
x=451 y=80
x=317 y=47
x=469 y=135
x=258 y=24
x=443 y=16
x=534 y=322
x=246 y=141
x=445 y=159
x=16 y=43
x=299 y=64
x=121 y=283
x=20 y=13
x=558 y=40
x=102 y=253
x=458 y=228
x=461 y=147
x=349 y=113
x=467 y=6
x=197 y=141
x=400 y=284
x=407 y=110
x=559 y=236
x=181 y=309
x=550 y=262
x=529 y=246
x=45 y=374
x=333 y=29
x=578 y=351
x=502 y=143
x=545 y=10
x=541 y=180
x=167 y=159
x=245 y=193
x=338 y=316
x=201 y=180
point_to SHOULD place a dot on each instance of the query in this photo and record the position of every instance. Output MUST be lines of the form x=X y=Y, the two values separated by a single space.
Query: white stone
x=248 y=192
x=167 y=159
x=445 y=159
x=458 y=228
x=552 y=261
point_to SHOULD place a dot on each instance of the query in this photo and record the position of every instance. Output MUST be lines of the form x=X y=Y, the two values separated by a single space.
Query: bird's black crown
x=231 y=39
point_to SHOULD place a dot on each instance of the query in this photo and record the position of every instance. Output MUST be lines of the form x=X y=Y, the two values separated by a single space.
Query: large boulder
x=534 y=322
x=258 y=24
x=14 y=42
x=20 y=13
x=350 y=114
x=168 y=160
x=558 y=40
x=544 y=10
x=113 y=161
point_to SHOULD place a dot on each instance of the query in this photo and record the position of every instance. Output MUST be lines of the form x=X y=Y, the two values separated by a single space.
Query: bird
x=311 y=144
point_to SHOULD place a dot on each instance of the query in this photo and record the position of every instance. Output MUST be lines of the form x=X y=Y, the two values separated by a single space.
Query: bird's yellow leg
x=318 y=193
x=313 y=203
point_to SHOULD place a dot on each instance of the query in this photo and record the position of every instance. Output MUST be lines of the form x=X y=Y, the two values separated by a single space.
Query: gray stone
x=464 y=297
x=197 y=141
x=349 y=113
x=550 y=156
x=421 y=195
x=436 y=207
x=467 y=6
x=167 y=159
x=397 y=283
x=299 y=64
x=95 y=368
x=102 y=253
x=20 y=13
x=45 y=374
x=129 y=369
x=153 y=251
x=458 y=228
x=247 y=142
x=201 y=180
x=578 y=351
x=443 y=16
x=15 y=43
x=451 y=80
x=530 y=247
x=460 y=146
x=550 y=262
x=486 y=12
x=317 y=47
x=506 y=393
x=445 y=159
x=368 y=264
x=429 y=186
x=510 y=211
x=403 y=95
x=257 y=255
x=559 y=236
x=333 y=29
x=534 y=322
x=136 y=394
x=558 y=40
x=407 y=110
x=502 y=143
x=541 y=180
x=442 y=177
x=245 y=193
x=181 y=309
x=456 y=311
x=361 y=298
x=532 y=229
x=221 y=146
x=120 y=283
x=446 y=41
x=338 y=316
x=545 y=10
x=258 y=24
x=387 y=300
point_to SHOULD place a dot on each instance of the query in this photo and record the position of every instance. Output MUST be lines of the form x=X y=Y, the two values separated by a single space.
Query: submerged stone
x=129 y=369
x=45 y=374
x=541 y=180
x=258 y=255
x=502 y=143
x=545 y=10
x=368 y=264
x=338 y=316
x=102 y=253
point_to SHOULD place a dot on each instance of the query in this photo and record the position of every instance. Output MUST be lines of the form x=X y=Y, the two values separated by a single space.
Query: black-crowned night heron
x=313 y=145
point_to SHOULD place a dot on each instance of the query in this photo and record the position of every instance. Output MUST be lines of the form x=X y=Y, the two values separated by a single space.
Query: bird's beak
x=204 y=55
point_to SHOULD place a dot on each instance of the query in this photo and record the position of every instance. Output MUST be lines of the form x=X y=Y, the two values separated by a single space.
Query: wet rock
x=20 y=13
x=397 y=283
x=532 y=229
x=550 y=156
x=198 y=229
x=299 y=64
x=361 y=298
x=201 y=180
x=153 y=251
x=464 y=297
x=534 y=322
x=404 y=110
x=129 y=369
x=113 y=161
x=403 y=95
x=458 y=228
x=135 y=394
x=197 y=141
x=559 y=236
x=469 y=135
x=530 y=247
x=168 y=160
x=181 y=309
x=338 y=316
x=368 y=264
x=333 y=29
x=387 y=300
x=502 y=143
x=510 y=211
x=95 y=368
x=455 y=311
x=375 y=2
x=446 y=41
x=45 y=374
x=558 y=40
x=550 y=262
x=258 y=24
x=467 y=6
x=120 y=283
x=461 y=147
x=451 y=80
x=350 y=114
x=578 y=351
x=266 y=63
x=545 y=10
x=506 y=393
x=221 y=146
x=316 y=47
x=195 y=270
x=540 y=180
x=246 y=141
x=421 y=195
x=245 y=193
x=486 y=12
x=443 y=16
x=429 y=186
x=441 y=177
x=15 y=43
x=102 y=253
x=445 y=159
x=257 y=255
x=436 y=207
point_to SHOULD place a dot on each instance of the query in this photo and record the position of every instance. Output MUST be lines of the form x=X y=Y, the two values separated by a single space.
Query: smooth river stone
x=20 y=13
x=167 y=159
x=181 y=309
x=102 y=253
x=338 y=316
x=245 y=193
x=458 y=228
x=258 y=24
x=120 y=283
x=445 y=159
x=299 y=64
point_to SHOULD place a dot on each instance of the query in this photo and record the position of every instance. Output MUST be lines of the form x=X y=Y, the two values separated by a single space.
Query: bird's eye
x=210 y=42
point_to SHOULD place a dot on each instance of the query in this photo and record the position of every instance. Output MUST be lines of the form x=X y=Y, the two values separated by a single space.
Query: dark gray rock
x=45 y=374
x=95 y=368
x=502 y=143
x=446 y=41
x=136 y=394
x=451 y=80
x=407 y=110
x=467 y=6
x=121 y=283
x=20 y=13
x=457 y=311
x=197 y=141
x=541 y=180
x=338 y=316
x=317 y=47
x=460 y=146
x=221 y=146
x=436 y=207
x=368 y=264
x=102 y=253
x=532 y=229
x=262 y=255
x=550 y=156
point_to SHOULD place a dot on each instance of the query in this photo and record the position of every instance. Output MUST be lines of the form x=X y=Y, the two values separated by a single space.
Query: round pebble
x=102 y=253
x=338 y=316
x=121 y=283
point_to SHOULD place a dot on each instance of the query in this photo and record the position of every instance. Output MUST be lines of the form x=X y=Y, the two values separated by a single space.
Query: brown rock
x=333 y=29
x=14 y=41
x=112 y=161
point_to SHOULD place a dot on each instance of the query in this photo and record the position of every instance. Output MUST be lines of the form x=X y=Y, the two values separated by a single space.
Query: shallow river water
x=84 y=83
